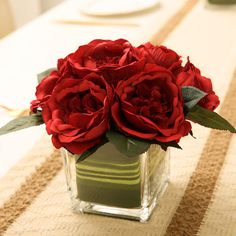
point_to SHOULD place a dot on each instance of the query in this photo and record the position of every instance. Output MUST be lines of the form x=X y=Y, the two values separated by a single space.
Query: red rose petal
x=80 y=120
x=123 y=125
x=141 y=123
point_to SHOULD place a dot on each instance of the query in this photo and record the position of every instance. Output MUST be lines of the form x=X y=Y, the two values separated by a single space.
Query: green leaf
x=84 y=155
x=167 y=144
x=22 y=123
x=192 y=96
x=45 y=73
x=191 y=133
x=209 y=119
x=127 y=145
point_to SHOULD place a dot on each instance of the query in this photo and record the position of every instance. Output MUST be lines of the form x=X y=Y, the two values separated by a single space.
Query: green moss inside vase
x=110 y=178
x=222 y=2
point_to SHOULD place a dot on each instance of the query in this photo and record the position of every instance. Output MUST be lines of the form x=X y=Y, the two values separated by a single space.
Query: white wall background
x=46 y=4
x=26 y=10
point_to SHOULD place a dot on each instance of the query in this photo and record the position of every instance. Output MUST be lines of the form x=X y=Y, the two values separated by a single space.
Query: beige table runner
x=48 y=212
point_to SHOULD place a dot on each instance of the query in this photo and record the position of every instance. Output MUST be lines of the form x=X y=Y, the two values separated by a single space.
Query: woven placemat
x=198 y=194
x=49 y=214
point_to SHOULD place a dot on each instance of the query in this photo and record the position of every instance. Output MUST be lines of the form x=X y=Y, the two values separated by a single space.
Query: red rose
x=44 y=90
x=149 y=106
x=115 y=60
x=160 y=55
x=191 y=76
x=77 y=112
x=64 y=68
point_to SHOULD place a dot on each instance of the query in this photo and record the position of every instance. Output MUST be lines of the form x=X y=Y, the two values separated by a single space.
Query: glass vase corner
x=112 y=184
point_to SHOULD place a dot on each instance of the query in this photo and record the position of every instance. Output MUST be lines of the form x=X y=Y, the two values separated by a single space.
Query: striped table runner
x=200 y=199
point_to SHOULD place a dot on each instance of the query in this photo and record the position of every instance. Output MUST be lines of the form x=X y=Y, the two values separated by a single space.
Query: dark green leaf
x=22 y=123
x=191 y=133
x=192 y=96
x=84 y=155
x=127 y=145
x=167 y=144
x=209 y=119
x=45 y=73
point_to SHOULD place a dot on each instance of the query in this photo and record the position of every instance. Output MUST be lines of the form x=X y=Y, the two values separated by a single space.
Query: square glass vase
x=112 y=184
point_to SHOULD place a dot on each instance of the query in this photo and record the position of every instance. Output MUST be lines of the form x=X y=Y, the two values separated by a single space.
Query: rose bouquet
x=133 y=98
x=112 y=91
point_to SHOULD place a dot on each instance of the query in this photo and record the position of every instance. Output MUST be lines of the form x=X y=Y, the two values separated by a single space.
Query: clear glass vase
x=110 y=183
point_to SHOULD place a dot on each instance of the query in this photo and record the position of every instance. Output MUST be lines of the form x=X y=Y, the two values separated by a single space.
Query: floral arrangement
x=111 y=91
